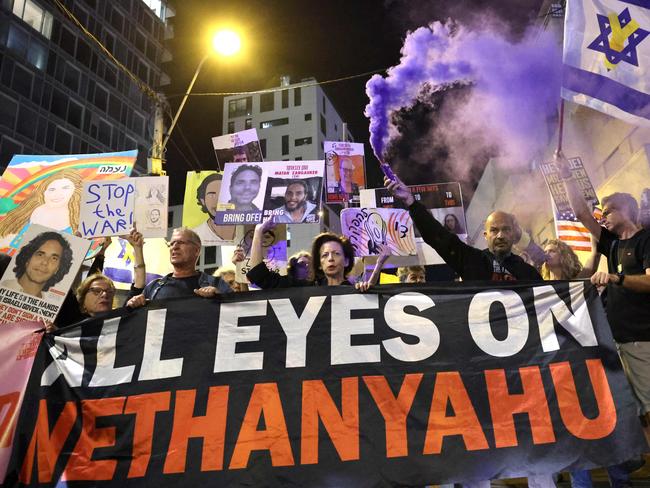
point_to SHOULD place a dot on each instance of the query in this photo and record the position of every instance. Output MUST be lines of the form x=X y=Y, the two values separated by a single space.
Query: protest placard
x=274 y=249
x=345 y=171
x=240 y=147
x=46 y=190
x=40 y=274
x=151 y=205
x=200 y=206
x=107 y=208
x=372 y=231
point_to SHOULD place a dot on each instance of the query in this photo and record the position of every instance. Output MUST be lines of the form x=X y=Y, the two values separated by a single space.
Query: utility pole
x=156 y=162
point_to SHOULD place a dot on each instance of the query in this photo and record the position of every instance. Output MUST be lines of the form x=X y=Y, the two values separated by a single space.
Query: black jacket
x=470 y=263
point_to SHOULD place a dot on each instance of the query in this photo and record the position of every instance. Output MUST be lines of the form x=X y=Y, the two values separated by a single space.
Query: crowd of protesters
x=330 y=261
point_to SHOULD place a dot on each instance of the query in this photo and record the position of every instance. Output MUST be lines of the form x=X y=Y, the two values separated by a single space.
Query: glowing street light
x=226 y=43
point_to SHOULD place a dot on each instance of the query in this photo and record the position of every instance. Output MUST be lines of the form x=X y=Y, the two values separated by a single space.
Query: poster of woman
x=46 y=190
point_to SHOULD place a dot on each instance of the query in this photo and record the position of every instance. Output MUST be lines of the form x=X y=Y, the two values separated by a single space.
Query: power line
x=281 y=88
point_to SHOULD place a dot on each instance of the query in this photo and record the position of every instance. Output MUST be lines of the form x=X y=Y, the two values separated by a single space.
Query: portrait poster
x=151 y=205
x=240 y=147
x=40 y=274
x=119 y=260
x=443 y=200
x=345 y=171
x=274 y=250
x=241 y=197
x=19 y=345
x=46 y=190
x=293 y=191
x=200 y=206
x=374 y=231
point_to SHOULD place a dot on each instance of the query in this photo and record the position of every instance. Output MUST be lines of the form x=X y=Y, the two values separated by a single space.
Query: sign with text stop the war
x=107 y=208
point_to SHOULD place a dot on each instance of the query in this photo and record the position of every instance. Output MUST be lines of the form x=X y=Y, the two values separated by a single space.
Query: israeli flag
x=607 y=57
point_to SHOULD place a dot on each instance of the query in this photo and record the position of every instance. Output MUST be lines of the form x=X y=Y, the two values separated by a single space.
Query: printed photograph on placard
x=241 y=198
x=293 y=191
x=46 y=190
x=374 y=231
x=345 y=172
x=151 y=205
x=240 y=147
x=40 y=274
x=200 y=207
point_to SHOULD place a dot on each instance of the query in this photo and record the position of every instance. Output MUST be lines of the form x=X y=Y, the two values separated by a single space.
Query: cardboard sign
x=274 y=250
x=556 y=186
x=107 y=208
x=240 y=147
x=345 y=171
x=40 y=274
x=151 y=205
x=373 y=230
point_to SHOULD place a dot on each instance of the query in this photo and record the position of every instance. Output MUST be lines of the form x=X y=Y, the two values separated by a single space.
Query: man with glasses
x=627 y=248
x=186 y=280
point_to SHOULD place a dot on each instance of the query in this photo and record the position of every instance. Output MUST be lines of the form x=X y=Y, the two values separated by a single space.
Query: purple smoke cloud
x=515 y=84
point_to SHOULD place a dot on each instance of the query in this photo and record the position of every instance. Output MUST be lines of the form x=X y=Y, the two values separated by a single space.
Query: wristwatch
x=621 y=279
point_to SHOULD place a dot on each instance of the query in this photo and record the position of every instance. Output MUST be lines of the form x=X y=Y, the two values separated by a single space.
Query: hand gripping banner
x=324 y=386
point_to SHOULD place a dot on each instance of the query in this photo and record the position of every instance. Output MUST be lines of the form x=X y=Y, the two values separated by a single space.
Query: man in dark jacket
x=496 y=263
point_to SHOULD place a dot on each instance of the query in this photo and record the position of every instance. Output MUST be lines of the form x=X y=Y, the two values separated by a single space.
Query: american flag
x=571 y=231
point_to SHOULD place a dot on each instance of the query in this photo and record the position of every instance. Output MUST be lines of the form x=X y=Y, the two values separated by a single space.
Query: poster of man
x=345 y=171
x=40 y=274
x=46 y=190
x=151 y=205
x=200 y=206
x=240 y=147
x=240 y=198
x=293 y=191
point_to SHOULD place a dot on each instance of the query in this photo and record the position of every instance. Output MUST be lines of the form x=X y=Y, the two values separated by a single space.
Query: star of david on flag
x=606 y=63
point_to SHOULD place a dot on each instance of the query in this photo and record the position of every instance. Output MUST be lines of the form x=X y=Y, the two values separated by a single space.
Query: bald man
x=496 y=263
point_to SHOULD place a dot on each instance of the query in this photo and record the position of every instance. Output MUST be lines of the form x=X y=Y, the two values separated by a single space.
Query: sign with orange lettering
x=325 y=386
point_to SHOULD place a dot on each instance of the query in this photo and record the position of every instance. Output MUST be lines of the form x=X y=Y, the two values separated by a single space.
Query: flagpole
x=561 y=126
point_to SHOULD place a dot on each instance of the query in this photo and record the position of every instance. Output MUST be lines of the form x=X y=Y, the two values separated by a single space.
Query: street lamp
x=226 y=43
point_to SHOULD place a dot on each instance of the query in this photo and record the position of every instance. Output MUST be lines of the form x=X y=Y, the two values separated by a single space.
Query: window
x=59 y=104
x=33 y=15
x=138 y=124
x=8 y=148
x=298 y=158
x=323 y=125
x=117 y=21
x=67 y=41
x=285 y=145
x=37 y=54
x=62 y=141
x=83 y=52
x=22 y=81
x=267 y=102
x=240 y=107
x=231 y=127
x=324 y=105
x=263 y=147
x=274 y=123
x=8 y=109
x=75 y=114
x=17 y=40
x=101 y=98
x=285 y=98
x=307 y=117
x=248 y=124
x=303 y=141
x=105 y=130
x=297 y=97
x=27 y=120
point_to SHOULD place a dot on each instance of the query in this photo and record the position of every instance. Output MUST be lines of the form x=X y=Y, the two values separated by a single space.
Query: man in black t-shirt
x=186 y=280
x=627 y=248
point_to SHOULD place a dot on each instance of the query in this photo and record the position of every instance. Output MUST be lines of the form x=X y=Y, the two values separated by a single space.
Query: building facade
x=61 y=94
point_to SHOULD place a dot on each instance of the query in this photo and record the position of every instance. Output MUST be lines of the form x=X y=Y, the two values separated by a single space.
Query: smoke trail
x=515 y=86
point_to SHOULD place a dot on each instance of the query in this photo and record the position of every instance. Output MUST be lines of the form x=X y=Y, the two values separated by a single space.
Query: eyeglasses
x=181 y=242
x=98 y=290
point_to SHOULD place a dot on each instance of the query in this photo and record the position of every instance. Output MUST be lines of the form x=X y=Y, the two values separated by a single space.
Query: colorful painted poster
x=373 y=230
x=444 y=201
x=119 y=261
x=200 y=206
x=39 y=276
x=293 y=192
x=274 y=248
x=151 y=205
x=46 y=190
x=345 y=171
x=240 y=147
x=19 y=345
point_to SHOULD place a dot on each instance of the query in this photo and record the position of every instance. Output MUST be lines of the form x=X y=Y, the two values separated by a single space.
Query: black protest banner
x=323 y=386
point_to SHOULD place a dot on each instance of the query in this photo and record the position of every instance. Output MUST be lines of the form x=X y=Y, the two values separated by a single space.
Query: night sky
x=326 y=40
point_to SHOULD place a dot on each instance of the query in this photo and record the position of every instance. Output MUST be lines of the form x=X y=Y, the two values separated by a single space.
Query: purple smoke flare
x=516 y=85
